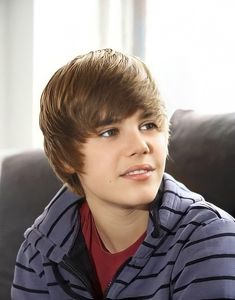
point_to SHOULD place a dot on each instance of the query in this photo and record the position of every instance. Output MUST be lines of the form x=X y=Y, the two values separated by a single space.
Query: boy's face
x=124 y=162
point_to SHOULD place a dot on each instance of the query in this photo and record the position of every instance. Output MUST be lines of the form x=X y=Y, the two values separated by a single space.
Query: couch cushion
x=26 y=186
x=202 y=155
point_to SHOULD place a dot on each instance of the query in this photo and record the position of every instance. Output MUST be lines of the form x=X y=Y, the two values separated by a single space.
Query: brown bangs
x=115 y=95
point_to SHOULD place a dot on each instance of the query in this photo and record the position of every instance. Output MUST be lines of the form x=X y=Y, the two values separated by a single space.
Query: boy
x=120 y=228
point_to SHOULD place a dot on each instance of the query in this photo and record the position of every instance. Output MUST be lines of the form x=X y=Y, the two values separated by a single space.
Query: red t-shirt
x=106 y=263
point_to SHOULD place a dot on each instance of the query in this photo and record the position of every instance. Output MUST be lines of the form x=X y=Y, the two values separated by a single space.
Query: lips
x=138 y=170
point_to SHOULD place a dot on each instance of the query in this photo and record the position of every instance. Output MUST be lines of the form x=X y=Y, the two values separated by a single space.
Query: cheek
x=98 y=164
x=161 y=148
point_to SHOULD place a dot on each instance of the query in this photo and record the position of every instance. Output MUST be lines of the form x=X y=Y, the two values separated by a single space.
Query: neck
x=119 y=227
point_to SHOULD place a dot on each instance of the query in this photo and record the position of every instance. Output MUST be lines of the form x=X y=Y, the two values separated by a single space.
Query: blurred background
x=189 y=45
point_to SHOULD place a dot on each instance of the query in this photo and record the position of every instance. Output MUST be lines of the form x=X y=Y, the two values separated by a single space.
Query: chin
x=142 y=199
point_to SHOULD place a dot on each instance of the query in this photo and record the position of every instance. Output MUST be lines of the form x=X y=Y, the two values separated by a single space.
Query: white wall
x=3 y=20
x=20 y=58
x=191 y=49
x=16 y=75
x=62 y=30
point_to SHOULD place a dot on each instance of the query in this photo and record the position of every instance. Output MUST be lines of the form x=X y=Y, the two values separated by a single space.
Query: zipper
x=115 y=277
x=94 y=290
x=69 y=267
x=65 y=286
x=68 y=264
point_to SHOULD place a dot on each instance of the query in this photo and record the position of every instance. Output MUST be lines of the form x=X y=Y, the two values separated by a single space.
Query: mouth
x=138 y=172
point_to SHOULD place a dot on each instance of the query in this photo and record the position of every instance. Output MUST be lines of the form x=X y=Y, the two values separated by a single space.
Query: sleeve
x=27 y=283
x=205 y=267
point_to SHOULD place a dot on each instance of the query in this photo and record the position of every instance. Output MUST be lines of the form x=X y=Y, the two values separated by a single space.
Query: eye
x=109 y=132
x=148 y=126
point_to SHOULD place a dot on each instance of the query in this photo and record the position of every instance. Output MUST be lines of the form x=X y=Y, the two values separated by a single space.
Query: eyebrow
x=109 y=120
x=147 y=114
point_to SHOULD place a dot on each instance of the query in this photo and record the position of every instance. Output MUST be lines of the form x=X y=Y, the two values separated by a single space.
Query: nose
x=136 y=144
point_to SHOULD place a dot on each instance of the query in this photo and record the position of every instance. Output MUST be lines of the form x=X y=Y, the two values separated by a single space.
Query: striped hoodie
x=188 y=253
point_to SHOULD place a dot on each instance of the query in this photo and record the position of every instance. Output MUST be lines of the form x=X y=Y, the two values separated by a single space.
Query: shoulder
x=205 y=265
x=199 y=227
x=53 y=232
x=190 y=206
x=204 y=238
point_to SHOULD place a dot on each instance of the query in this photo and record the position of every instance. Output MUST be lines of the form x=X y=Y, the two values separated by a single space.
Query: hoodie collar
x=55 y=230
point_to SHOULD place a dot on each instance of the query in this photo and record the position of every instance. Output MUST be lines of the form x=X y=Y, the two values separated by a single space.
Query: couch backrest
x=27 y=184
x=202 y=155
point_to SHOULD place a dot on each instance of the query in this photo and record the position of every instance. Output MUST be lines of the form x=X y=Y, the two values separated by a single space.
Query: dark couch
x=26 y=185
x=201 y=155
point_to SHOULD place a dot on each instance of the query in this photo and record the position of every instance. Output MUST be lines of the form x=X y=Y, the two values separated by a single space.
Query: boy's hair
x=91 y=90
